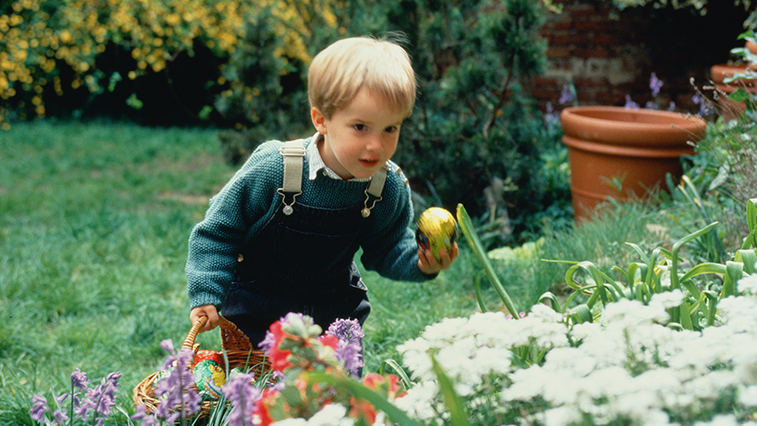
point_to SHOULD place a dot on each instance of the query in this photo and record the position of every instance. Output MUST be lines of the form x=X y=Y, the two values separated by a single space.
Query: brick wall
x=609 y=54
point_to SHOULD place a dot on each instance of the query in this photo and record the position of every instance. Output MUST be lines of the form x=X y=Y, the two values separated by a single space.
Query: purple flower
x=566 y=95
x=655 y=84
x=296 y=318
x=167 y=345
x=630 y=104
x=703 y=103
x=99 y=400
x=351 y=355
x=60 y=417
x=39 y=408
x=242 y=395
x=79 y=379
x=350 y=350
x=145 y=419
x=348 y=330
x=267 y=342
x=176 y=392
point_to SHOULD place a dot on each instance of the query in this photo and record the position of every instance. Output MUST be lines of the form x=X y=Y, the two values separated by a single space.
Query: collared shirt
x=316 y=163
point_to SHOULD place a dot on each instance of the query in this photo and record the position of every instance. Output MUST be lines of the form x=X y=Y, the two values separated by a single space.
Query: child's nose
x=374 y=143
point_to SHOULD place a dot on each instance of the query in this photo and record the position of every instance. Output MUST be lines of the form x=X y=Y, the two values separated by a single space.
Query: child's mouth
x=368 y=163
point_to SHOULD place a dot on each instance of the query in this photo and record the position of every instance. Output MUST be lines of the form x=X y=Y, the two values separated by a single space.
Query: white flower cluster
x=329 y=415
x=469 y=349
x=628 y=368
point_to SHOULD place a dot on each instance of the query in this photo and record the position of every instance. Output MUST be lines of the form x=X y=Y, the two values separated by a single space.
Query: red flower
x=389 y=384
x=262 y=405
x=279 y=358
x=329 y=340
x=362 y=409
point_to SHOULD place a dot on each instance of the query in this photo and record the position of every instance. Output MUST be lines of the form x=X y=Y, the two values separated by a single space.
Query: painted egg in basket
x=209 y=378
x=208 y=354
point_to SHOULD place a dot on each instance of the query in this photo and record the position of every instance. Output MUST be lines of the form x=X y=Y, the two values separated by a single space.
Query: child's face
x=360 y=137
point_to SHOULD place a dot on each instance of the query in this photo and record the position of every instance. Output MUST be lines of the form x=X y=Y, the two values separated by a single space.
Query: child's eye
x=391 y=129
x=359 y=127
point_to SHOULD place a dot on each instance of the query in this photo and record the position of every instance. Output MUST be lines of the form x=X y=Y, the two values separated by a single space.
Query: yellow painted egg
x=437 y=228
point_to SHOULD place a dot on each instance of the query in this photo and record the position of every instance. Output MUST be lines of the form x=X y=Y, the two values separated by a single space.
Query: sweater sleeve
x=390 y=249
x=234 y=214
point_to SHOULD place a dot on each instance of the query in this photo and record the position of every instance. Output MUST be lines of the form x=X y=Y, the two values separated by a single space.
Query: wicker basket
x=238 y=349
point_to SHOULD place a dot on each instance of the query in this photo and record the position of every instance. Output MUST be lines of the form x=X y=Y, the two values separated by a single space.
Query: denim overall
x=302 y=261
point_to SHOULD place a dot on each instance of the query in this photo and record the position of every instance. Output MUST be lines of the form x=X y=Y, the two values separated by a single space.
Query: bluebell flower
x=176 y=392
x=349 y=351
x=566 y=95
x=39 y=408
x=100 y=400
x=79 y=379
x=348 y=330
x=242 y=396
x=655 y=84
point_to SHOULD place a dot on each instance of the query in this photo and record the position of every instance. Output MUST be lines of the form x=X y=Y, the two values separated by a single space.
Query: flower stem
x=470 y=234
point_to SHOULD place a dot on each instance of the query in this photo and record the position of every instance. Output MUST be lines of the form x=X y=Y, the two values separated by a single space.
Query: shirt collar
x=316 y=164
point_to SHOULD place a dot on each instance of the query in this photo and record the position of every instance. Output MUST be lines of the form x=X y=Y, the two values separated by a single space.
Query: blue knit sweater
x=239 y=211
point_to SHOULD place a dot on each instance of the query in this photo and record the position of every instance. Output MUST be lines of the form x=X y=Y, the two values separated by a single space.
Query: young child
x=281 y=236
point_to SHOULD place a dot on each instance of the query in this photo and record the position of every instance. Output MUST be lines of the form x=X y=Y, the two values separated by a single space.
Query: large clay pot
x=727 y=108
x=639 y=146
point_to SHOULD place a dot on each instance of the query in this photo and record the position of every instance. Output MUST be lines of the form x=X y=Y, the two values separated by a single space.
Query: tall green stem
x=470 y=234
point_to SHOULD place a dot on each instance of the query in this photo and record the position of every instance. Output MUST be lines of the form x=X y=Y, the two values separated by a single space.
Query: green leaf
x=470 y=234
x=685 y=316
x=748 y=258
x=581 y=314
x=404 y=378
x=674 y=283
x=479 y=296
x=734 y=272
x=552 y=299
x=700 y=269
x=751 y=219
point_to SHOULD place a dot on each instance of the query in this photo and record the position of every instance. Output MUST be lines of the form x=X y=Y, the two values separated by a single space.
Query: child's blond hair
x=338 y=72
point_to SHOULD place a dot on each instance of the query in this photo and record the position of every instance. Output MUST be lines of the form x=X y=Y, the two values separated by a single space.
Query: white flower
x=293 y=421
x=561 y=416
x=417 y=401
x=331 y=415
x=748 y=396
x=667 y=299
x=720 y=420
x=748 y=284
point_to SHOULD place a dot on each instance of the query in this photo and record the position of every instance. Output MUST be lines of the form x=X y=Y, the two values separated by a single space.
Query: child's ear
x=319 y=120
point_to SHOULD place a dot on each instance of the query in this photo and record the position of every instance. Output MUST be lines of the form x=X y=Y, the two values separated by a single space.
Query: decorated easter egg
x=209 y=378
x=211 y=355
x=437 y=228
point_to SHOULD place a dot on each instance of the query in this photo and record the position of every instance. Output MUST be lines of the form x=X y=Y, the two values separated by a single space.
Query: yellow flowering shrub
x=41 y=38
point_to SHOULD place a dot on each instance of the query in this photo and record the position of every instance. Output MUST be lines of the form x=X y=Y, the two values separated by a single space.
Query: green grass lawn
x=94 y=222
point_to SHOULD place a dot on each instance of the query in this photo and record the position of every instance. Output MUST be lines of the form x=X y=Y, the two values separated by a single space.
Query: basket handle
x=189 y=342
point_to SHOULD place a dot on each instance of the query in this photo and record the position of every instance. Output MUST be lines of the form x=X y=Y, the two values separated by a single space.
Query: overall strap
x=293 y=153
x=373 y=192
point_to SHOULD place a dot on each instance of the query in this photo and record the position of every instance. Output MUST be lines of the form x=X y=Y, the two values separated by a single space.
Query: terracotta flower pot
x=639 y=146
x=720 y=72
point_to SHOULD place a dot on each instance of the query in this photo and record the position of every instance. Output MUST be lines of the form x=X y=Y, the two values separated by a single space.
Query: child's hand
x=429 y=265
x=209 y=311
